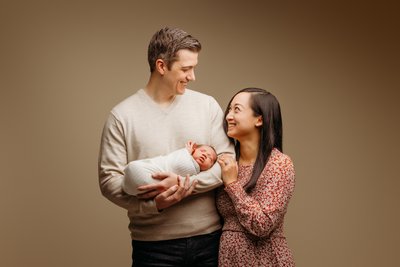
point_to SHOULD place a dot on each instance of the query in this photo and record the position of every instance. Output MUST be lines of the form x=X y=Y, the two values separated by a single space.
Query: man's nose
x=191 y=76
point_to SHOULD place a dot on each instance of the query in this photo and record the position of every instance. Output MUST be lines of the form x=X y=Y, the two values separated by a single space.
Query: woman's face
x=241 y=120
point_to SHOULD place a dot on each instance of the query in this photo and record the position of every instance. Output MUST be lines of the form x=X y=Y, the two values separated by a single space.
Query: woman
x=257 y=185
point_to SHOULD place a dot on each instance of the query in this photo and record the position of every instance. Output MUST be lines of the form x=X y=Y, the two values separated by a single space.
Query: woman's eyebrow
x=238 y=104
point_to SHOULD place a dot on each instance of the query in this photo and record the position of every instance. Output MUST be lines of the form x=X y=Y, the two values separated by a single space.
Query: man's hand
x=169 y=179
x=174 y=194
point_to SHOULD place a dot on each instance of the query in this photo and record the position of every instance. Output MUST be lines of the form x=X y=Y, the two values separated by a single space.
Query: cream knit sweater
x=138 y=128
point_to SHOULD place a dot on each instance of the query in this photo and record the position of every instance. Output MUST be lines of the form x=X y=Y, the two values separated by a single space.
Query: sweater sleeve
x=262 y=212
x=112 y=161
x=210 y=179
x=207 y=180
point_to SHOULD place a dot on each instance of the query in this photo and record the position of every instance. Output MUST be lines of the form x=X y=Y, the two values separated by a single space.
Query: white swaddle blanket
x=139 y=172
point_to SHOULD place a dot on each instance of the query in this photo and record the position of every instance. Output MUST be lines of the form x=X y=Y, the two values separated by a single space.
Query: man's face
x=205 y=156
x=181 y=71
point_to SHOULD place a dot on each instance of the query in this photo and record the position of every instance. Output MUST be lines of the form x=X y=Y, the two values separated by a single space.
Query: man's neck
x=159 y=93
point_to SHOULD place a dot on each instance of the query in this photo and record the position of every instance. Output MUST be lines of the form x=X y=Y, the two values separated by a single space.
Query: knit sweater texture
x=138 y=128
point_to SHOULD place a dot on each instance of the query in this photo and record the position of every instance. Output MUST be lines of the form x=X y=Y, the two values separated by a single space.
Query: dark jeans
x=199 y=250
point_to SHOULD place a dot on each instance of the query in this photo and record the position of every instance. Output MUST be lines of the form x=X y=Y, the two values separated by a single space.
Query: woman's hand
x=229 y=168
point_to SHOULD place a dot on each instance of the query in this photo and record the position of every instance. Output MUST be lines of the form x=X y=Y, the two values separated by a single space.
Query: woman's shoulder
x=279 y=167
x=280 y=159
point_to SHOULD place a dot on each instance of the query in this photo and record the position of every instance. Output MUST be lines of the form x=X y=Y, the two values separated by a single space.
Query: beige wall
x=334 y=68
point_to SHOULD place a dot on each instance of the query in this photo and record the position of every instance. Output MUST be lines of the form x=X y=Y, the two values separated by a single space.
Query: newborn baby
x=186 y=161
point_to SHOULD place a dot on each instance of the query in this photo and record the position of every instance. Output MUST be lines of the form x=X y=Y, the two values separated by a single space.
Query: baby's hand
x=190 y=146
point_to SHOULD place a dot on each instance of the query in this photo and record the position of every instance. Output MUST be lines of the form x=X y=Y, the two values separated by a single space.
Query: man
x=176 y=223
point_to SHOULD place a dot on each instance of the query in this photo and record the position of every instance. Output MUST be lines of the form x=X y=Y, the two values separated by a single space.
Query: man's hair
x=166 y=42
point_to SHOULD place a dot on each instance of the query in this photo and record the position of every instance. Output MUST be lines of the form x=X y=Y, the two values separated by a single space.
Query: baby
x=186 y=161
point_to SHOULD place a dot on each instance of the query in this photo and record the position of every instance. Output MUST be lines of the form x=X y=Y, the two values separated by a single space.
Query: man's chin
x=181 y=91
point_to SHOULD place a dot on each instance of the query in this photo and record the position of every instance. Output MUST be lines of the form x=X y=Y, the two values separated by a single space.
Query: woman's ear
x=160 y=66
x=259 y=121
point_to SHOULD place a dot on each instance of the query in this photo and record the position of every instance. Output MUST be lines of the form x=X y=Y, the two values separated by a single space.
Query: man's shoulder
x=191 y=94
x=128 y=103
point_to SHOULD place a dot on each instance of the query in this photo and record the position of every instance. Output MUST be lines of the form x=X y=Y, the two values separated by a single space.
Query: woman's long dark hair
x=266 y=105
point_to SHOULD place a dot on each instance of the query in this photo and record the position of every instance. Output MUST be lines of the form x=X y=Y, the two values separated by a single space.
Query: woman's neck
x=248 y=152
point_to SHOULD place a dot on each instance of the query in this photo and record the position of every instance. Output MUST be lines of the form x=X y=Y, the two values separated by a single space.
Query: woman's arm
x=263 y=210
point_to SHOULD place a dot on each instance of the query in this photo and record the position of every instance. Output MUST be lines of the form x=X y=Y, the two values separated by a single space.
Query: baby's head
x=205 y=156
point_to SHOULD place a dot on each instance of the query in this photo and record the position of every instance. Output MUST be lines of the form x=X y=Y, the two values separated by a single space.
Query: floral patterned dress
x=253 y=222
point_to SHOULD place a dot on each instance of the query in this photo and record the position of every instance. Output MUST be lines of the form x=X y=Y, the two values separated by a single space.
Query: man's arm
x=138 y=173
x=112 y=161
x=211 y=178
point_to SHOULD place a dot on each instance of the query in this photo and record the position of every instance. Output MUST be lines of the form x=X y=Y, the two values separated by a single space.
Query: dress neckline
x=274 y=150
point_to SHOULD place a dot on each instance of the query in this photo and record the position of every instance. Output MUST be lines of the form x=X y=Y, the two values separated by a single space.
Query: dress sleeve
x=263 y=210
x=112 y=161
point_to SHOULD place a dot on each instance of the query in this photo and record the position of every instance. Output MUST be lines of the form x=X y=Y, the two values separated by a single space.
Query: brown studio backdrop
x=333 y=66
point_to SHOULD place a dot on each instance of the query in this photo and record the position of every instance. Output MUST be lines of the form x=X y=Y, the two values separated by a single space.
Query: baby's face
x=205 y=156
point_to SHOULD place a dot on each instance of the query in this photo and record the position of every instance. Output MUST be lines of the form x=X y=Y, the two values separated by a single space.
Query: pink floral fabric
x=253 y=222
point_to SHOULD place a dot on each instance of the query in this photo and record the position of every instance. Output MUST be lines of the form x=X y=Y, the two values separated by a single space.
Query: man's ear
x=259 y=121
x=161 y=66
